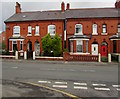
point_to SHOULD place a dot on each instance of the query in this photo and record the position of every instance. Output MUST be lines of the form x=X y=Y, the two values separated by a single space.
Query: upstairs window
x=30 y=30
x=118 y=28
x=94 y=28
x=37 y=30
x=51 y=29
x=79 y=29
x=104 y=28
x=16 y=30
x=79 y=46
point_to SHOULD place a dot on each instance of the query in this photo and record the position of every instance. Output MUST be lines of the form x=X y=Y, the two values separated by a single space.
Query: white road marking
x=15 y=67
x=99 y=84
x=78 y=87
x=118 y=89
x=84 y=84
x=105 y=89
x=44 y=81
x=116 y=85
x=60 y=82
x=60 y=86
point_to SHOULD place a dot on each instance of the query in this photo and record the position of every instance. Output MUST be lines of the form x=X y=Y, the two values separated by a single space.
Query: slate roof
x=59 y=15
x=93 y=13
x=37 y=15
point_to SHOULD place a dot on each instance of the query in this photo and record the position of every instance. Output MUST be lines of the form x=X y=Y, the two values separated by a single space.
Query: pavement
x=18 y=89
x=81 y=79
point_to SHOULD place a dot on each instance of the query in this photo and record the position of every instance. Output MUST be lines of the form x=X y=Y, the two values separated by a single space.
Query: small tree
x=47 y=45
x=57 y=48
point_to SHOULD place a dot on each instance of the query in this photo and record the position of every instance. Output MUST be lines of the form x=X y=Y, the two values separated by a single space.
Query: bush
x=52 y=47
x=65 y=50
x=47 y=45
x=57 y=48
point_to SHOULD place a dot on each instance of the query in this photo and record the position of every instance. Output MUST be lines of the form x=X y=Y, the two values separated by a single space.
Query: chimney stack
x=18 y=8
x=63 y=7
x=68 y=6
x=117 y=4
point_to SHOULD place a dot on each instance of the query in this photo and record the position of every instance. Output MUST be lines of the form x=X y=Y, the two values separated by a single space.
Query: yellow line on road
x=65 y=93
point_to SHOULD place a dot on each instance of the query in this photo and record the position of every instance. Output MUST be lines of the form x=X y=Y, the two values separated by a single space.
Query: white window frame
x=79 y=42
x=104 y=26
x=118 y=28
x=13 y=43
x=29 y=31
x=37 y=30
x=21 y=43
x=16 y=31
x=86 y=46
x=71 y=46
x=52 y=29
x=81 y=29
x=95 y=29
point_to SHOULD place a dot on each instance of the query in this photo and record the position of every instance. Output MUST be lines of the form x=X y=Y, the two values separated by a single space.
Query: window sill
x=37 y=35
x=16 y=35
x=104 y=33
x=29 y=34
x=94 y=33
x=78 y=33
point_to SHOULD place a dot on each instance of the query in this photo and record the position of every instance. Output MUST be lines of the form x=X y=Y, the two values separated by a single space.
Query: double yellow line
x=59 y=91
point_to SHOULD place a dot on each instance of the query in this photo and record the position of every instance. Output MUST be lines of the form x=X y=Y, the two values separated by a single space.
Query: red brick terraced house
x=87 y=31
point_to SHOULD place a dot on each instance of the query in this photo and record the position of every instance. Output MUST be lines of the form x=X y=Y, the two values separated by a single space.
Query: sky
x=7 y=7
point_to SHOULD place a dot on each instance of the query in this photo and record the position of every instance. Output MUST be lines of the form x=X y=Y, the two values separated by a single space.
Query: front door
x=94 y=49
x=104 y=50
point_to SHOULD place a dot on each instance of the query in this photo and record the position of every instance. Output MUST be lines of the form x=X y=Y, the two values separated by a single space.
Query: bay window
x=79 y=47
x=72 y=46
x=21 y=45
x=14 y=45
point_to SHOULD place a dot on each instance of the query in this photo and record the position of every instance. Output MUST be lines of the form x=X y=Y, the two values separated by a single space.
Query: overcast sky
x=7 y=7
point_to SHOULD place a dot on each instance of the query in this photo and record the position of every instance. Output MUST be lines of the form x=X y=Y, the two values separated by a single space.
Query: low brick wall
x=49 y=58
x=7 y=56
x=76 y=57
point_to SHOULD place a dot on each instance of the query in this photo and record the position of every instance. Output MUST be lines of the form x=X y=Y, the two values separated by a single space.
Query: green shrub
x=47 y=45
x=65 y=50
x=57 y=48
x=52 y=47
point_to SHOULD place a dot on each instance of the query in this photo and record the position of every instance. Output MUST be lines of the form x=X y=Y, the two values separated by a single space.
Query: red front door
x=104 y=50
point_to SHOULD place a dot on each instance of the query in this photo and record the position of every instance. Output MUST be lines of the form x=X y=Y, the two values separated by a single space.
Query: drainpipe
x=65 y=33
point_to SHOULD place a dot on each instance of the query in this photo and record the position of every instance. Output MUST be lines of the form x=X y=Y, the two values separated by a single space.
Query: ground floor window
x=114 y=46
x=21 y=45
x=79 y=47
x=14 y=44
x=86 y=46
x=72 y=46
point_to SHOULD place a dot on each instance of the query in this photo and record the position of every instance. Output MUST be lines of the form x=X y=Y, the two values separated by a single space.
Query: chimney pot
x=18 y=8
x=63 y=7
x=117 y=4
x=68 y=6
